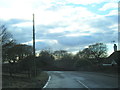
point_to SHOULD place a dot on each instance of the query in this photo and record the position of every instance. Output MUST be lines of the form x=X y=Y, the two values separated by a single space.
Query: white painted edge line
x=83 y=84
x=47 y=82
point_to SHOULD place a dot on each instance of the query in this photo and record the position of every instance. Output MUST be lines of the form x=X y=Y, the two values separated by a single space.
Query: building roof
x=114 y=57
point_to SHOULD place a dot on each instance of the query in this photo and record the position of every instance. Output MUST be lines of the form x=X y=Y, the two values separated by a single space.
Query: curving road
x=73 y=79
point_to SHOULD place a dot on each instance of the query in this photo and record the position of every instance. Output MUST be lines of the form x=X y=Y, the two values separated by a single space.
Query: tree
x=18 y=52
x=6 y=36
x=83 y=64
x=67 y=61
x=46 y=57
x=12 y=52
x=5 y=49
x=84 y=54
x=7 y=40
x=60 y=53
x=81 y=60
x=67 y=56
x=93 y=53
x=26 y=65
x=98 y=50
x=7 y=43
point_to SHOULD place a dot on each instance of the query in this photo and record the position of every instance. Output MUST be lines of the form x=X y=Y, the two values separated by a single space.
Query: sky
x=71 y=25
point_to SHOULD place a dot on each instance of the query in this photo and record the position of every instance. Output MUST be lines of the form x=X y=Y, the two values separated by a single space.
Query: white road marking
x=47 y=82
x=82 y=84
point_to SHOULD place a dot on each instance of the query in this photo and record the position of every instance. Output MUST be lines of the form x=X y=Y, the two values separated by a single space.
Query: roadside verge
x=22 y=81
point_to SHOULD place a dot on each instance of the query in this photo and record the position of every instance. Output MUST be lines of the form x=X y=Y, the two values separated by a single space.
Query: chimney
x=115 y=47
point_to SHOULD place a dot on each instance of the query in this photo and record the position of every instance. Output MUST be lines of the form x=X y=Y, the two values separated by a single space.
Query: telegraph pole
x=118 y=25
x=34 y=46
x=33 y=36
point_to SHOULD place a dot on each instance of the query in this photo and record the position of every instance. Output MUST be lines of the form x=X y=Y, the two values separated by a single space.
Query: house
x=113 y=59
x=110 y=63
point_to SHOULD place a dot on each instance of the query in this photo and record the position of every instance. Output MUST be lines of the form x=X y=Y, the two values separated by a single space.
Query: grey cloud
x=24 y=34
x=21 y=34
x=103 y=23
x=42 y=45
x=75 y=41
x=47 y=27
x=16 y=21
x=107 y=37
x=86 y=40
x=42 y=31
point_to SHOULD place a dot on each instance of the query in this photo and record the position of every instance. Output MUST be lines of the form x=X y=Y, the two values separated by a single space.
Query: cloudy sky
x=62 y=24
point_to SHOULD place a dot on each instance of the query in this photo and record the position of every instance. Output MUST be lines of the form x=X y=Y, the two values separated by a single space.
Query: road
x=74 y=79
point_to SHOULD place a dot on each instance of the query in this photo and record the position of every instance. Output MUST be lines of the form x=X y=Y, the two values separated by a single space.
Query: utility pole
x=34 y=46
x=118 y=25
x=33 y=36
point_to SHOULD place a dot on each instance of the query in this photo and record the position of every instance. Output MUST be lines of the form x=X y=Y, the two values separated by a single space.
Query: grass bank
x=22 y=81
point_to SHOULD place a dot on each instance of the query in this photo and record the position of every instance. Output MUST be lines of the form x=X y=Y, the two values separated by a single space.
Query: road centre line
x=82 y=84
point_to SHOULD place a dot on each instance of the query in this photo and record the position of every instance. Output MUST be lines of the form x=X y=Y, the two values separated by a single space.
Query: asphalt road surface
x=73 y=79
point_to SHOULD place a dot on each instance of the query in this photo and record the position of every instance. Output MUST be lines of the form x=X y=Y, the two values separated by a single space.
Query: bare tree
x=60 y=53
x=98 y=50
x=6 y=36
x=7 y=40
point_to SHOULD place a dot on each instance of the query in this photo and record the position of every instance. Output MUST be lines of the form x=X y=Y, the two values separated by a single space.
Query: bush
x=26 y=63
x=83 y=64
